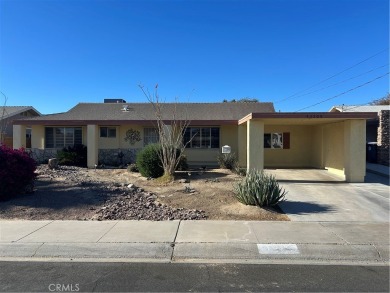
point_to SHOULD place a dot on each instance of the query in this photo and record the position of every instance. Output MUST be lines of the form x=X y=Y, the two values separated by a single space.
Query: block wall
x=383 y=138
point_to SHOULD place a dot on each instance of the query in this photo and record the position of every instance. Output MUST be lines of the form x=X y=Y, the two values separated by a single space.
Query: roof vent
x=126 y=108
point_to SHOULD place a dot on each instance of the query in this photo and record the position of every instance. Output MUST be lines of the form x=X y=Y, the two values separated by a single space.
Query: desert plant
x=259 y=189
x=227 y=161
x=16 y=171
x=73 y=156
x=149 y=162
x=132 y=168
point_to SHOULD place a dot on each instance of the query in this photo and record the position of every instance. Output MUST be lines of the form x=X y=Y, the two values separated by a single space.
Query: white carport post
x=19 y=136
x=255 y=145
x=92 y=145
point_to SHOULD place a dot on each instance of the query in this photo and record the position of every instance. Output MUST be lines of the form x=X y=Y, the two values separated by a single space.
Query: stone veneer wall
x=110 y=157
x=383 y=138
x=43 y=156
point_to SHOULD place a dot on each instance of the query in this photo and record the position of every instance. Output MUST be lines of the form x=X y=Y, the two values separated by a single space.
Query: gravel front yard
x=72 y=193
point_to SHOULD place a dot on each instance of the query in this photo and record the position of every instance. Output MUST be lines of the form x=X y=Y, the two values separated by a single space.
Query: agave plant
x=259 y=189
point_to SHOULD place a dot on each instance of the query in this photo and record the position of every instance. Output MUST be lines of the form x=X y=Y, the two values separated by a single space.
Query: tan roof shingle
x=113 y=112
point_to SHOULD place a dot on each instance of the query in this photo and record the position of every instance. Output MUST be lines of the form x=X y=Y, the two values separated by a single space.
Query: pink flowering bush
x=16 y=171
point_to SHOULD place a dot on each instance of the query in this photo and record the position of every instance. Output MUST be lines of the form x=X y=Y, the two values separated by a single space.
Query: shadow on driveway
x=375 y=178
x=301 y=208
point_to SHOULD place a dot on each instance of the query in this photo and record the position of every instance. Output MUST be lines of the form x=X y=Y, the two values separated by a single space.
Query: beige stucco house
x=260 y=137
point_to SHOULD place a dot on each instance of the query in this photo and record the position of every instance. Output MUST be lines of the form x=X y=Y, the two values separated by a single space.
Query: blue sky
x=54 y=54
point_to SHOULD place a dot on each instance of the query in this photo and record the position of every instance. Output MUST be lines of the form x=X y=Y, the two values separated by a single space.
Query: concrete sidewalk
x=196 y=241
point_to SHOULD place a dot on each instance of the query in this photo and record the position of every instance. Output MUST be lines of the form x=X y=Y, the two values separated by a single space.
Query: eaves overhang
x=268 y=118
x=55 y=122
x=306 y=117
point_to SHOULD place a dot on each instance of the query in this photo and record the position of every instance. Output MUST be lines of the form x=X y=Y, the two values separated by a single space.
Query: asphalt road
x=180 y=277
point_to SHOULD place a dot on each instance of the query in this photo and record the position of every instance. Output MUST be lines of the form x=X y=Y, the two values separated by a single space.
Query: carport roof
x=308 y=118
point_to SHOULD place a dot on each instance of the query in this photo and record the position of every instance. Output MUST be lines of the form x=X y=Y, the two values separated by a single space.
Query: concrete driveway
x=316 y=195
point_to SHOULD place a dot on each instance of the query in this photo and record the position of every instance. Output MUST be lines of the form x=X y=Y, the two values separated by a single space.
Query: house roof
x=114 y=113
x=351 y=108
x=9 y=111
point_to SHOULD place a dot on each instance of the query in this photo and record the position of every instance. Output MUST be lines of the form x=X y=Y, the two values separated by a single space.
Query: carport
x=323 y=140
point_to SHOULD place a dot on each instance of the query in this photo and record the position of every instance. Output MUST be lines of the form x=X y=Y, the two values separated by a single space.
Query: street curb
x=198 y=261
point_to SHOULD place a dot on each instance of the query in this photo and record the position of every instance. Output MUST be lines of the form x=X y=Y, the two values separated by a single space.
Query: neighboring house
x=372 y=124
x=10 y=113
x=259 y=136
x=377 y=130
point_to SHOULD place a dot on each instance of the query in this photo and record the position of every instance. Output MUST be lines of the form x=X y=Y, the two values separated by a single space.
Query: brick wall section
x=383 y=138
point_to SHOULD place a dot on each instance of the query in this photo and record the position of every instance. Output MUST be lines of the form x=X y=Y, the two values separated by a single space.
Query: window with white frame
x=150 y=136
x=59 y=137
x=201 y=137
x=108 y=132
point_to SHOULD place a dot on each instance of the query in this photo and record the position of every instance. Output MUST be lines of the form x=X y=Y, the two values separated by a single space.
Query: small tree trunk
x=171 y=134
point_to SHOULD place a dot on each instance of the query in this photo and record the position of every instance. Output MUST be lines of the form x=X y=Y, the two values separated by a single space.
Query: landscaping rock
x=143 y=206
x=120 y=201
x=53 y=163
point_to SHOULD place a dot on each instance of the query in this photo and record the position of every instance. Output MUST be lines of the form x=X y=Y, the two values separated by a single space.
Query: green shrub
x=227 y=161
x=132 y=168
x=17 y=172
x=259 y=189
x=148 y=161
x=73 y=156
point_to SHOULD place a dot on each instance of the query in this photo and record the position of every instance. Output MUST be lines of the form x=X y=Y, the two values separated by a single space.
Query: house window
x=201 y=137
x=277 y=140
x=108 y=132
x=59 y=137
x=150 y=136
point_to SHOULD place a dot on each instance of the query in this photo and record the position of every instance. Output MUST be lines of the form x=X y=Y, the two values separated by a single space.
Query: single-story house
x=377 y=130
x=10 y=113
x=260 y=137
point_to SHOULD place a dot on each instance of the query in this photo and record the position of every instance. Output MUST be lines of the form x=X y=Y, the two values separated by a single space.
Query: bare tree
x=382 y=101
x=3 y=120
x=170 y=129
x=242 y=100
